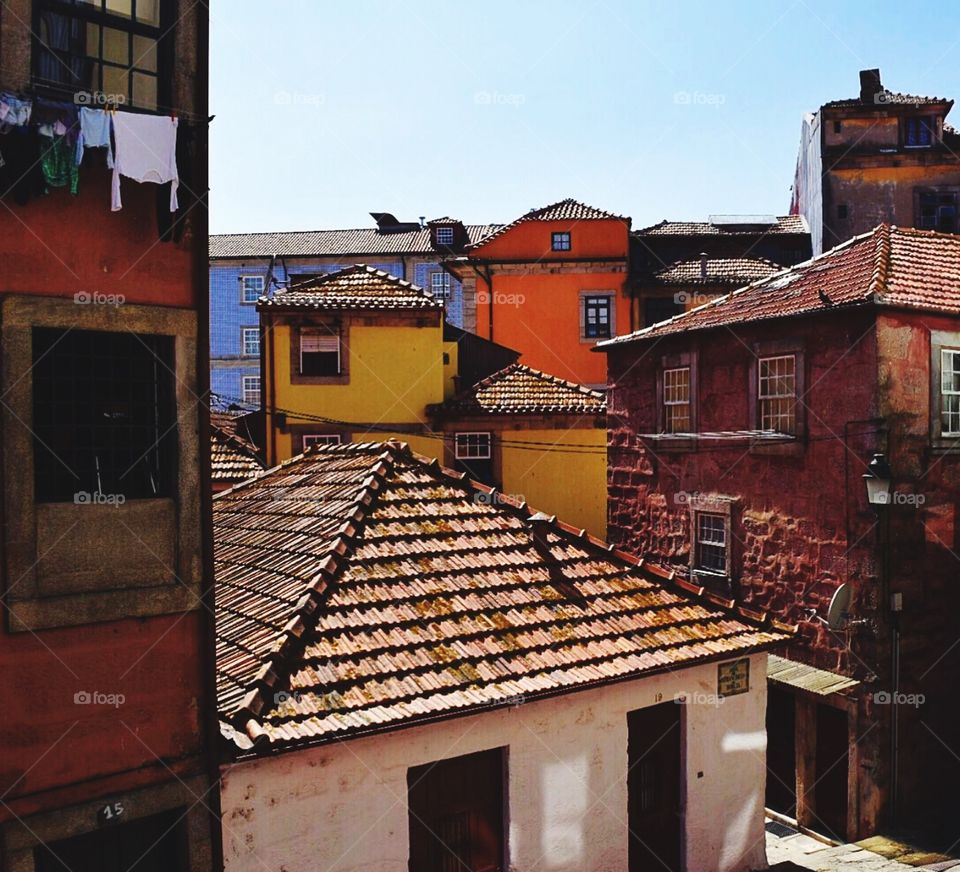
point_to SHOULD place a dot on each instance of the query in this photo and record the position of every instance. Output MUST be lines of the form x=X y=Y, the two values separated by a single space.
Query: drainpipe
x=488 y=279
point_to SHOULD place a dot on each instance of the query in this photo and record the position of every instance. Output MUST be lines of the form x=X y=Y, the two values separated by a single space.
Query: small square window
x=777 y=393
x=251 y=288
x=472 y=446
x=251 y=341
x=919 y=131
x=937 y=210
x=440 y=285
x=560 y=241
x=311 y=439
x=597 y=317
x=444 y=236
x=251 y=391
x=319 y=353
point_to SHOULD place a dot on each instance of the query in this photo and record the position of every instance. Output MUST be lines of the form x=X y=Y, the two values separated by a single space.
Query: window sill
x=786 y=446
x=676 y=443
x=343 y=379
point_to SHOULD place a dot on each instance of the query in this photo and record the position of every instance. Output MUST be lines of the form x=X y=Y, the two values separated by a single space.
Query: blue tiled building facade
x=246 y=266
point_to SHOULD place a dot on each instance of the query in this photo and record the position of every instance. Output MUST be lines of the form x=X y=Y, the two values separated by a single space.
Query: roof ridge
x=881 y=268
x=276 y=666
x=535 y=214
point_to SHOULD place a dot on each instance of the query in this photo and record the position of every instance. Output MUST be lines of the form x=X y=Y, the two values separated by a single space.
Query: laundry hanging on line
x=145 y=151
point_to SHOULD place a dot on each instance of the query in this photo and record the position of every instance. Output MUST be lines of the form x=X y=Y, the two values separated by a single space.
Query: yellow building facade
x=362 y=356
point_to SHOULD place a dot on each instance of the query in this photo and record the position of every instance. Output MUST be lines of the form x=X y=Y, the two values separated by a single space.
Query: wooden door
x=655 y=788
x=456 y=814
x=830 y=792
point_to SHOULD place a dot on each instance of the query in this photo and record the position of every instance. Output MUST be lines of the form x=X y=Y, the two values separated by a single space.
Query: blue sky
x=328 y=110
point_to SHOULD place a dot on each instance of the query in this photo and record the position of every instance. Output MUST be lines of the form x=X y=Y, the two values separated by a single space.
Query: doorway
x=781 y=751
x=457 y=814
x=654 y=788
x=830 y=792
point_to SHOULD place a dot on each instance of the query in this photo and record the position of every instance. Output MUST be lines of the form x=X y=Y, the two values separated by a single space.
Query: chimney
x=423 y=221
x=703 y=264
x=539 y=524
x=869 y=85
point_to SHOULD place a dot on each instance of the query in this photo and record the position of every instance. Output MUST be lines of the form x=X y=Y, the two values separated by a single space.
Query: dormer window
x=444 y=236
x=919 y=131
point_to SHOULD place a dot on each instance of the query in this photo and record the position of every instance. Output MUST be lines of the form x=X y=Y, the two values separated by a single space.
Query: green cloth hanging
x=59 y=164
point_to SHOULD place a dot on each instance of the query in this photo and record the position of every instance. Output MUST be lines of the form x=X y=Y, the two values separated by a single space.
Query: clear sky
x=326 y=111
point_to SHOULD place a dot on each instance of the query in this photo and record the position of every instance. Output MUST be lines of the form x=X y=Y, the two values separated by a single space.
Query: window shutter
x=318 y=343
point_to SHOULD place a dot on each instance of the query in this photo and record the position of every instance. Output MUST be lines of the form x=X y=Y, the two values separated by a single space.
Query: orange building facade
x=551 y=284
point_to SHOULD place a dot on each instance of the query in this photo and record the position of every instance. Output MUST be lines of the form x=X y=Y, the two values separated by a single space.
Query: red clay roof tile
x=413 y=617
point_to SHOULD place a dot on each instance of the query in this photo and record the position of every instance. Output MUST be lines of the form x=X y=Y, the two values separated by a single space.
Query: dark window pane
x=104 y=416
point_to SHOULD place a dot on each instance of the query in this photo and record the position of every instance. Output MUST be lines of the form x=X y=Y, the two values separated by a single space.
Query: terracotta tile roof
x=720 y=271
x=785 y=224
x=332 y=243
x=890 y=266
x=521 y=390
x=888 y=98
x=563 y=210
x=232 y=458
x=361 y=588
x=356 y=287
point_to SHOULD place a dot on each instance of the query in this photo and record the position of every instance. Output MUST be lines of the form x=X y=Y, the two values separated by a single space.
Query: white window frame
x=244 y=333
x=443 y=293
x=585 y=299
x=245 y=380
x=944 y=393
x=445 y=236
x=462 y=450
x=669 y=403
x=243 y=289
x=310 y=439
x=722 y=526
x=774 y=397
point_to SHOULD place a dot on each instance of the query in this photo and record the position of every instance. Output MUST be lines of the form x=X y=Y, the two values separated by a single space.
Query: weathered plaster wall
x=343 y=806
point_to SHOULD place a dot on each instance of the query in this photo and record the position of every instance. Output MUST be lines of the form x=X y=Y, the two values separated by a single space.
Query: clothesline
x=55 y=135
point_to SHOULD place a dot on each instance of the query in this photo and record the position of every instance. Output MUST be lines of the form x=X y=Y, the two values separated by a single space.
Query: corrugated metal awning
x=804 y=677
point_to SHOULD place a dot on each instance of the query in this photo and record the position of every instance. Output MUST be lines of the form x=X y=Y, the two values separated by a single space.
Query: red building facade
x=739 y=437
x=106 y=748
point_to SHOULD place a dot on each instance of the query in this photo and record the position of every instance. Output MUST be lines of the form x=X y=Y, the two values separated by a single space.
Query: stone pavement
x=791 y=851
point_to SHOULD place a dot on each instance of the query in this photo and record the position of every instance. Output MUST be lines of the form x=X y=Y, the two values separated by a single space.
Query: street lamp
x=877 y=479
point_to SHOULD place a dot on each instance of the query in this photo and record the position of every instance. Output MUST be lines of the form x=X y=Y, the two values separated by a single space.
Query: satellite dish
x=837 y=613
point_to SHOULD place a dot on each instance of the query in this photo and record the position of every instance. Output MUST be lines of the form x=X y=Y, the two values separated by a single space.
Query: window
x=311 y=439
x=109 y=48
x=837 y=126
x=319 y=353
x=676 y=400
x=919 y=131
x=473 y=454
x=457 y=813
x=251 y=341
x=472 y=446
x=251 y=391
x=444 y=236
x=949 y=392
x=104 y=417
x=937 y=210
x=440 y=285
x=560 y=241
x=711 y=543
x=777 y=393
x=597 y=317
x=842 y=211
x=657 y=309
x=251 y=288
